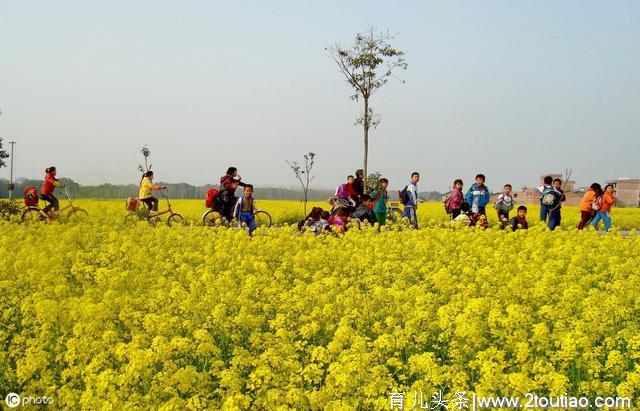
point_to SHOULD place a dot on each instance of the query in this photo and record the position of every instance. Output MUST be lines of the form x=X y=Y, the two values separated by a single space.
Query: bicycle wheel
x=77 y=215
x=133 y=218
x=33 y=215
x=263 y=219
x=176 y=220
x=394 y=215
x=211 y=218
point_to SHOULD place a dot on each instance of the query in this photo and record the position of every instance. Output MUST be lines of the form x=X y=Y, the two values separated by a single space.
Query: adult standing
x=358 y=183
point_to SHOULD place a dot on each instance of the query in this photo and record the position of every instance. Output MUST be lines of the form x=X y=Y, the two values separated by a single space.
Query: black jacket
x=363 y=213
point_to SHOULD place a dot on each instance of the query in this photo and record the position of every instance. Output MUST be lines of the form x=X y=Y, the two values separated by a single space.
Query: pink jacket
x=455 y=199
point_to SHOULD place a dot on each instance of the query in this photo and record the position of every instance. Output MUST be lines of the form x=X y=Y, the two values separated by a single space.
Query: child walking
x=380 y=207
x=410 y=200
x=589 y=204
x=244 y=209
x=555 y=215
x=604 y=212
x=505 y=203
x=550 y=199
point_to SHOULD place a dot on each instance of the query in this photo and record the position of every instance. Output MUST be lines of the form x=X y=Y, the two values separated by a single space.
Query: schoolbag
x=447 y=205
x=211 y=196
x=132 y=203
x=403 y=195
x=597 y=203
x=503 y=205
x=549 y=197
x=31 y=196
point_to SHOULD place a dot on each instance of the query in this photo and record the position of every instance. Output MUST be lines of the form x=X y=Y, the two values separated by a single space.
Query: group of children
x=596 y=206
x=351 y=201
x=470 y=209
x=231 y=207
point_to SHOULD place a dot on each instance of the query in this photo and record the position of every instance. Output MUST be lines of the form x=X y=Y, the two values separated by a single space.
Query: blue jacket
x=240 y=205
x=412 y=195
x=481 y=196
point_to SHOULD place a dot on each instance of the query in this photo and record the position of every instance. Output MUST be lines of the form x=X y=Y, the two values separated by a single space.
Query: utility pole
x=11 y=186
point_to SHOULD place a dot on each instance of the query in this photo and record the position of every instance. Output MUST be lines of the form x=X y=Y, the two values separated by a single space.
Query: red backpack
x=132 y=203
x=31 y=196
x=211 y=196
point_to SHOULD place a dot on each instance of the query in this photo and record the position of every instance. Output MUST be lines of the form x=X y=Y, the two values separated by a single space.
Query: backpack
x=132 y=203
x=597 y=203
x=403 y=195
x=549 y=197
x=342 y=191
x=31 y=196
x=505 y=206
x=447 y=207
x=211 y=196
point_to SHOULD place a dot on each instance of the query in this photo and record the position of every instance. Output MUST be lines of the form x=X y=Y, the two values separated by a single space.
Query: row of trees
x=179 y=190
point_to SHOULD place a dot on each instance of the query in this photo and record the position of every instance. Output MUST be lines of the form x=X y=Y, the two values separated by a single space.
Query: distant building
x=531 y=195
x=627 y=191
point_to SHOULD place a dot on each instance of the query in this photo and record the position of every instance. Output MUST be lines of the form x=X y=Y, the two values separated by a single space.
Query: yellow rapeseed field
x=111 y=212
x=101 y=315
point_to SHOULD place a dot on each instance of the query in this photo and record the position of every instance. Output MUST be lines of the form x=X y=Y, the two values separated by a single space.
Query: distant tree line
x=180 y=190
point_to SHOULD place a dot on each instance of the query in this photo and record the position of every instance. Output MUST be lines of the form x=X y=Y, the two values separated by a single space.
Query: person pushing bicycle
x=48 y=187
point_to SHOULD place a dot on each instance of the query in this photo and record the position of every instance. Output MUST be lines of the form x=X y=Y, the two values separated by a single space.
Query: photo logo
x=12 y=400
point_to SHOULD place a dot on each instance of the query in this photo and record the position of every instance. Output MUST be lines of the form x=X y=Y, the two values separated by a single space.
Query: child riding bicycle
x=146 y=191
x=46 y=192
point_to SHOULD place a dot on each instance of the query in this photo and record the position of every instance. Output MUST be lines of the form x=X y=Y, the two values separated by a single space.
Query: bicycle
x=212 y=218
x=153 y=217
x=394 y=213
x=34 y=214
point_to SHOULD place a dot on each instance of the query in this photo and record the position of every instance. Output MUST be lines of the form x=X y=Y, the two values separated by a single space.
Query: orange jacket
x=587 y=200
x=607 y=201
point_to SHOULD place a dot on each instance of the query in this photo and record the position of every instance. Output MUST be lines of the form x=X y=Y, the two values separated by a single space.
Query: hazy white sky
x=511 y=89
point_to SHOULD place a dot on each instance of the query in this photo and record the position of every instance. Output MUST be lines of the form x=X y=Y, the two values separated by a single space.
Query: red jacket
x=455 y=199
x=351 y=191
x=49 y=185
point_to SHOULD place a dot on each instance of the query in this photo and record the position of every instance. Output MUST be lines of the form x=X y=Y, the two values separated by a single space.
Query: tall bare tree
x=146 y=152
x=303 y=174
x=366 y=67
